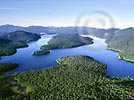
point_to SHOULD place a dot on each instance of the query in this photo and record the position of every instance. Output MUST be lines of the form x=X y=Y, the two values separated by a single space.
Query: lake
x=98 y=51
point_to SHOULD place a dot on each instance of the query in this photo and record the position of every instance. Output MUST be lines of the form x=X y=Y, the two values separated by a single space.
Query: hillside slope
x=67 y=41
x=21 y=36
x=11 y=41
x=76 y=77
x=123 y=42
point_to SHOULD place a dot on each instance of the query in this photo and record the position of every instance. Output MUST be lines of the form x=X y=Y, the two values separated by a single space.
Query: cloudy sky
x=93 y=13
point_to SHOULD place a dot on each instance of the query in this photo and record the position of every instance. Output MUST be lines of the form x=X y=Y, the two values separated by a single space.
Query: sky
x=62 y=13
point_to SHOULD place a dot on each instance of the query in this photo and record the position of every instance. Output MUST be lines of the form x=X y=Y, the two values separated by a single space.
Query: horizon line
x=64 y=26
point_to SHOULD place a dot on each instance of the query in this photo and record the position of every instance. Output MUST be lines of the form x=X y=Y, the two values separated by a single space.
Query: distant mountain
x=102 y=33
x=33 y=29
x=9 y=28
x=50 y=30
x=37 y=29
x=128 y=32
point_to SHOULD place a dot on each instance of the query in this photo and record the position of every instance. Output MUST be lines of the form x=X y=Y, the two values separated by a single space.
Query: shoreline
x=119 y=56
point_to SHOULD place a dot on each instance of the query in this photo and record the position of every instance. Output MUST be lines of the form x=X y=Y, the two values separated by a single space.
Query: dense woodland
x=123 y=42
x=76 y=77
x=8 y=47
x=67 y=41
x=11 y=41
x=5 y=80
x=21 y=36
x=4 y=67
x=40 y=52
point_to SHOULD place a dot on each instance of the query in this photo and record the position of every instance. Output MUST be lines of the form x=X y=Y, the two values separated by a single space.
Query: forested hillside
x=123 y=42
x=67 y=41
x=11 y=41
x=76 y=77
x=8 y=47
x=21 y=36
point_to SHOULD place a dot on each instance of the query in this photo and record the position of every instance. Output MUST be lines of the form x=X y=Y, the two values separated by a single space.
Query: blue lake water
x=98 y=51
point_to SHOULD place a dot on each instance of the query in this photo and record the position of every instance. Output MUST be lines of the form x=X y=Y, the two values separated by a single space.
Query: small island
x=40 y=52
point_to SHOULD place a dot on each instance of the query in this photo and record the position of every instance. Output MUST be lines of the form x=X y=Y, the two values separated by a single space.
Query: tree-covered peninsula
x=67 y=41
x=11 y=41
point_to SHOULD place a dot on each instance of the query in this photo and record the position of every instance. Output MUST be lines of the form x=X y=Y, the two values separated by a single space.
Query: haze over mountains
x=102 y=33
x=38 y=29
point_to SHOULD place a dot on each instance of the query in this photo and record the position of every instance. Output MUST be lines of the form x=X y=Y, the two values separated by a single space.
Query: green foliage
x=8 y=47
x=5 y=90
x=41 y=52
x=67 y=41
x=11 y=41
x=76 y=78
x=4 y=67
x=21 y=36
x=123 y=42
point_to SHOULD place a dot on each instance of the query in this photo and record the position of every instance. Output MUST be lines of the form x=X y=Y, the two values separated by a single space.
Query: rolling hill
x=11 y=41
